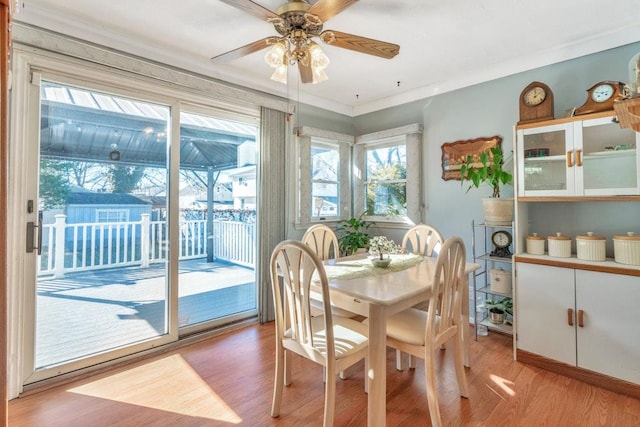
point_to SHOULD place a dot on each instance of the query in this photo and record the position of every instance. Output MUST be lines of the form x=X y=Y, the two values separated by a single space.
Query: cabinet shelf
x=502 y=327
x=481 y=249
x=489 y=257
x=487 y=290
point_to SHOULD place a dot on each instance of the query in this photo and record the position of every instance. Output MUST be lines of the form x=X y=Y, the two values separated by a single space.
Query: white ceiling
x=444 y=44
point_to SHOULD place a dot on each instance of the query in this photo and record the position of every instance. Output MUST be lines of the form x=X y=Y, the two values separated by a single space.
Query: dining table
x=377 y=293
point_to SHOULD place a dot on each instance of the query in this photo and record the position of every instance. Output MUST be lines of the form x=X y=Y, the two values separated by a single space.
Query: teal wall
x=488 y=109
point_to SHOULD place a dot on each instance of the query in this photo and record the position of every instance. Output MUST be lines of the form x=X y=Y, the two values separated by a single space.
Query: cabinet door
x=544 y=294
x=609 y=341
x=545 y=161
x=608 y=158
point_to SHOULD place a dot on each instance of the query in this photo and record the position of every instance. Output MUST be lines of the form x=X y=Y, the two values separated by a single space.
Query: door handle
x=569 y=160
x=31 y=226
x=570 y=316
x=581 y=318
x=578 y=158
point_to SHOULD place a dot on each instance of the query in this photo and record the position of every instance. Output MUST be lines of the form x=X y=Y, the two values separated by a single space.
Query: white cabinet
x=579 y=156
x=583 y=318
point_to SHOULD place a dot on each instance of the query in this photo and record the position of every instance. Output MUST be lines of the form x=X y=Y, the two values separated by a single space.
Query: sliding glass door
x=120 y=263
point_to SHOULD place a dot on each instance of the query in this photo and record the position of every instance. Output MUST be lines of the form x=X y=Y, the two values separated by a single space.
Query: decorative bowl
x=381 y=263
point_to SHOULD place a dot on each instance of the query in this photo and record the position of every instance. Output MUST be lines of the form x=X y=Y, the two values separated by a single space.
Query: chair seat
x=349 y=335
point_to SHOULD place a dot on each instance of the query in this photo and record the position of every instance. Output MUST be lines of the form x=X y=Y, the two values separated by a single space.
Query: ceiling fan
x=298 y=23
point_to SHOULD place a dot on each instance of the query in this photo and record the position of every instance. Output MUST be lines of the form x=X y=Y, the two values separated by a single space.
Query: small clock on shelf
x=601 y=97
x=536 y=103
x=501 y=240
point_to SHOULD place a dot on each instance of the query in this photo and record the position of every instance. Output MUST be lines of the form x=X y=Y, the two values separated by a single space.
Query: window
x=386 y=179
x=325 y=179
x=324 y=188
x=385 y=163
x=112 y=215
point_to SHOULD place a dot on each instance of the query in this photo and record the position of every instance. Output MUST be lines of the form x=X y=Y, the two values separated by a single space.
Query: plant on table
x=381 y=245
x=352 y=234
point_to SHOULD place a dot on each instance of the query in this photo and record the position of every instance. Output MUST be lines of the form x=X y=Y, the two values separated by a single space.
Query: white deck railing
x=88 y=246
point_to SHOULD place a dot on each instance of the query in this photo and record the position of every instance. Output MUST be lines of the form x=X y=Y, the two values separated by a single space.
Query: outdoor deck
x=90 y=312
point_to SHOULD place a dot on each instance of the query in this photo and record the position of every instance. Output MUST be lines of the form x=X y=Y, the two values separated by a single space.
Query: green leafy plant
x=486 y=169
x=504 y=305
x=352 y=234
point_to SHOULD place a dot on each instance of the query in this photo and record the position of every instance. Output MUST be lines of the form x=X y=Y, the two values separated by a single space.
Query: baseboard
x=584 y=375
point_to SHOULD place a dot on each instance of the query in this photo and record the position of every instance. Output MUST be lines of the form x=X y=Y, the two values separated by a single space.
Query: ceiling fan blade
x=327 y=9
x=306 y=75
x=245 y=50
x=360 y=44
x=252 y=8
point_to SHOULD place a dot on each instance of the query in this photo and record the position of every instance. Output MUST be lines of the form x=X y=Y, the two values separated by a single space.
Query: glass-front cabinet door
x=609 y=163
x=545 y=162
x=588 y=157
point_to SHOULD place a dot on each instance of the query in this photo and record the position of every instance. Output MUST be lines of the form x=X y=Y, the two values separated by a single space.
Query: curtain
x=271 y=201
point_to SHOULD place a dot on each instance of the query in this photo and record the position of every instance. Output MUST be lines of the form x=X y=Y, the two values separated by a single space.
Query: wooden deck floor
x=90 y=312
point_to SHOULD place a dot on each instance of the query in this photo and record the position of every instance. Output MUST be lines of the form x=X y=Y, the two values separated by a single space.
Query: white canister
x=591 y=247
x=626 y=249
x=500 y=280
x=559 y=246
x=535 y=244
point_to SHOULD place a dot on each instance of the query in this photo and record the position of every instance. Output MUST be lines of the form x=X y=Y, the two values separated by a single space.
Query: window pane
x=325 y=200
x=386 y=188
x=325 y=180
x=386 y=199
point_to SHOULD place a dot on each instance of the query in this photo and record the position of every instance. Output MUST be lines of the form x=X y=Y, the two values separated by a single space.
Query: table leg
x=464 y=322
x=377 y=373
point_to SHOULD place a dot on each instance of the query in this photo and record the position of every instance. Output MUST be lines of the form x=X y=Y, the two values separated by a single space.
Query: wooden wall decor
x=454 y=154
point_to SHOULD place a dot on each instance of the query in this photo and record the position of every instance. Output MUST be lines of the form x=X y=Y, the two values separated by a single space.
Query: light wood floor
x=228 y=380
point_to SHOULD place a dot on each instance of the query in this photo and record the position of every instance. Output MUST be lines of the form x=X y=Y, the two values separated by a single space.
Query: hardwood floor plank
x=228 y=380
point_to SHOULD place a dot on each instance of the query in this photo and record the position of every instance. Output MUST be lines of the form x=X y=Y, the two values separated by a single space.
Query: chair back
x=323 y=241
x=445 y=311
x=295 y=265
x=422 y=239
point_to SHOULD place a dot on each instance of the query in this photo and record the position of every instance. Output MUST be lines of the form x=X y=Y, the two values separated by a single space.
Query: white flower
x=380 y=245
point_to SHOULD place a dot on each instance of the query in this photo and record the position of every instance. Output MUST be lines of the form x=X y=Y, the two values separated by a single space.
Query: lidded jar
x=535 y=244
x=591 y=247
x=626 y=249
x=559 y=246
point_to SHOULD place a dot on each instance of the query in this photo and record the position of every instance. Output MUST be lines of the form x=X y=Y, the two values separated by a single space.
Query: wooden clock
x=536 y=103
x=601 y=97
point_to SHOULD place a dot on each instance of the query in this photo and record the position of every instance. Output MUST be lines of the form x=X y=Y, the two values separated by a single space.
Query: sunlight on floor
x=168 y=384
x=504 y=384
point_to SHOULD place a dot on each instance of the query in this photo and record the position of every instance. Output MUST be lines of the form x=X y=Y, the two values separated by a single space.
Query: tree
x=124 y=179
x=54 y=184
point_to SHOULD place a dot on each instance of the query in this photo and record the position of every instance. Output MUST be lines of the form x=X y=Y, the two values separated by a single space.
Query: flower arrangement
x=380 y=245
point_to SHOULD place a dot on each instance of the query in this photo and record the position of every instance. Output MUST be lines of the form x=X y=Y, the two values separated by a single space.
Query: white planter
x=497 y=211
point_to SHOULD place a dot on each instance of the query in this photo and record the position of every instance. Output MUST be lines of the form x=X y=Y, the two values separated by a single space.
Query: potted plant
x=379 y=246
x=498 y=309
x=352 y=234
x=487 y=168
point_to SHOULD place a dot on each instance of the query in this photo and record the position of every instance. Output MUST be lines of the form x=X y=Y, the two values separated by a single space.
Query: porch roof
x=83 y=125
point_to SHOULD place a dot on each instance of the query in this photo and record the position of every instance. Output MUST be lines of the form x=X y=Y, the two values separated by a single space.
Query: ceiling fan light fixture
x=319 y=60
x=275 y=56
x=280 y=74
x=319 y=76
